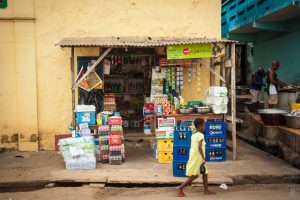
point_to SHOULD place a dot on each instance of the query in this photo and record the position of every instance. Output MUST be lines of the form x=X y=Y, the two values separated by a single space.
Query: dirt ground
x=245 y=192
x=252 y=166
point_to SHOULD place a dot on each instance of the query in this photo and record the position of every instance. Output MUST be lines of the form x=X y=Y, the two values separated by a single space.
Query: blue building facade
x=272 y=26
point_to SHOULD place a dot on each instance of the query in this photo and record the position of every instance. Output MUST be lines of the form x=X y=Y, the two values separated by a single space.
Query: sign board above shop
x=205 y=50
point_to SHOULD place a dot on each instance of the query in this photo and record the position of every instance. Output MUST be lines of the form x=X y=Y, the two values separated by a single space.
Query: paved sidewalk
x=252 y=166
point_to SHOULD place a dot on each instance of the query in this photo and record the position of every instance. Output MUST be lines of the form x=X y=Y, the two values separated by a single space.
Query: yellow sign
x=206 y=50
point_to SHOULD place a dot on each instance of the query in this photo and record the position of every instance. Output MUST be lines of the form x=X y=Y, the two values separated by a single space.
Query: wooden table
x=208 y=116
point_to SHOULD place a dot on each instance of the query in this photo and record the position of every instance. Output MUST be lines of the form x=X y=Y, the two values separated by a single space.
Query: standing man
x=272 y=84
x=257 y=83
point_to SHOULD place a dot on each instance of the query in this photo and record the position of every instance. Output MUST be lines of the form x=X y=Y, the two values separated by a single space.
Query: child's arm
x=201 y=151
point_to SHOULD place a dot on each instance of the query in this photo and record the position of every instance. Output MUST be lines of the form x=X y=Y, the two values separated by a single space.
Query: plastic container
x=165 y=145
x=215 y=155
x=165 y=157
x=215 y=142
x=86 y=117
x=292 y=121
x=181 y=153
x=295 y=106
x=179 y=168
x=273 y=117
x=86 y=114
x=215 y=129
x=182 y=136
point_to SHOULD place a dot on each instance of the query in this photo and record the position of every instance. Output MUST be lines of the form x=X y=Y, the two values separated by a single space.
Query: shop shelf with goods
x=148 y=112
x=109 y=102
x=215 y=137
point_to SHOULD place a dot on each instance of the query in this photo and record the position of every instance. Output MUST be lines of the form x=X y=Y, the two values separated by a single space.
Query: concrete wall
x=286 y=50
x=42 y=104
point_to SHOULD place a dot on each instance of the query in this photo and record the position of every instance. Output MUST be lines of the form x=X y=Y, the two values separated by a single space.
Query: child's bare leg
x=205 y=183
x=184 y=184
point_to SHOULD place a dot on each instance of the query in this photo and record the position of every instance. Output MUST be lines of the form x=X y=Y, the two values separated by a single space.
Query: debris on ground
x=223 y=186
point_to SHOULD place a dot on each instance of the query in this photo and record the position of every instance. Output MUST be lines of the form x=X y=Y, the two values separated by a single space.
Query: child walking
x=196 y=160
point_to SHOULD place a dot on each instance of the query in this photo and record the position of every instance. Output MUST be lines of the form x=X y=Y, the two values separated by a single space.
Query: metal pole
x=233 y=101
x=73 y=91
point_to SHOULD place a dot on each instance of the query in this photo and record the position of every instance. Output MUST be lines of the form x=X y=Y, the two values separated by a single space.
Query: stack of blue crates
x=215 y=138
x=181 y=149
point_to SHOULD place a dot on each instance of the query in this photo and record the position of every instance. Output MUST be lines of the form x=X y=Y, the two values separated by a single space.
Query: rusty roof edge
x=135 y=41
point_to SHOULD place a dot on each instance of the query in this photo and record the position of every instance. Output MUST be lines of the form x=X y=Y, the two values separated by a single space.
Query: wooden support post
x=212 y=75
x=222 y=70
x=73 y=91
x=233 y=101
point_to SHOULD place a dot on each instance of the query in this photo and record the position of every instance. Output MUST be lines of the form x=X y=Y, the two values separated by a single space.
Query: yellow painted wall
x=8 y=96
x=18 y=96
x=56 y=19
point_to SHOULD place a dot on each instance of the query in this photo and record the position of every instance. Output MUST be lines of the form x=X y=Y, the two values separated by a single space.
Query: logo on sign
x=186 y=51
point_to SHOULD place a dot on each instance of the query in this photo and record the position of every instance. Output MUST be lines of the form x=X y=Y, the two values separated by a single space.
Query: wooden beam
x=212 y=76
x=73 y=91
x=212 y=71
x=222 y=71
x=92 y=67
x=233 y=102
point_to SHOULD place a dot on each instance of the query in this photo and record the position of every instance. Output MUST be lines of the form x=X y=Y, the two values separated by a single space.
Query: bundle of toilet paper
x=216 y=98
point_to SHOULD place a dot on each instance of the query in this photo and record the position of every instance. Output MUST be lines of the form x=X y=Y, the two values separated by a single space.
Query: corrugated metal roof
x=133 y=41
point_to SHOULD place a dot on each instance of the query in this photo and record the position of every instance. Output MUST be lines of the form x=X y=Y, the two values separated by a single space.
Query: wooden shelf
x=125 y=93
x=114 y=76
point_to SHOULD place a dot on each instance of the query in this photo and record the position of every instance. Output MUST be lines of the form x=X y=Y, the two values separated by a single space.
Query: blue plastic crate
x=179 y=168
x=86 y=117
x=215 y=142
x=215 y=129
x=181 y=153
x=215 y=155
x=182 y=136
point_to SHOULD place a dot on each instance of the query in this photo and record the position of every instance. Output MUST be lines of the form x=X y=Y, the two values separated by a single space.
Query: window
x=3 y=3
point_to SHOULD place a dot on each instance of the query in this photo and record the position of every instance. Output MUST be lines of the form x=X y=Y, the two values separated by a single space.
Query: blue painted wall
x=285 y=49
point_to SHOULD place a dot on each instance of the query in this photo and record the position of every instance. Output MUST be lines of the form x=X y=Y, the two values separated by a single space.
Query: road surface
x=245 y=192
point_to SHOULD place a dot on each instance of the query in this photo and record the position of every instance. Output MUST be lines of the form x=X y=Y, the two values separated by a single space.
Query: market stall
x=146 y=79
